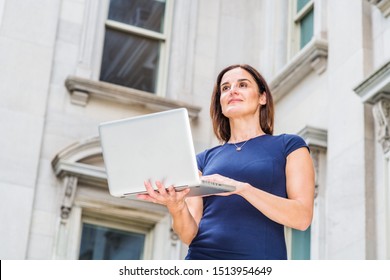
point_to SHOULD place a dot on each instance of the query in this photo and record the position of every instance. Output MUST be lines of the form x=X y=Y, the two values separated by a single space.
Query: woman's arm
x=186 y=222
x=186 y=212
x=297 y=210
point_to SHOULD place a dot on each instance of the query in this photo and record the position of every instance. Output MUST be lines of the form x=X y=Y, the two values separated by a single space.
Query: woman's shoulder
x=286 y=143
x=286 y=137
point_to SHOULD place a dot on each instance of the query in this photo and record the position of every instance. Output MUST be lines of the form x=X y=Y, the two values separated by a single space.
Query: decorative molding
x=82 y=89
x=70 y=186
x=317 y=140
x=381 y=111
x=88 y=38
x=382 y=5
x=313 y=57
x=66 y=162
x=2 y=4
x=375 y=90
x=314 y=137
x=377 y=85
x=315 y=154
x=78 y=151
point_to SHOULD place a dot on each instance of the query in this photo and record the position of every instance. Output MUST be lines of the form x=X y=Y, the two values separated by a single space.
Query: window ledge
x=314 y=137
x=313 y=57
x=382 y=5
x=82 y=89
x=375 y=86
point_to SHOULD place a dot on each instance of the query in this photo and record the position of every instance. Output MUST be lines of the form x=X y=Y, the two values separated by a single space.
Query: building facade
x=68 y=65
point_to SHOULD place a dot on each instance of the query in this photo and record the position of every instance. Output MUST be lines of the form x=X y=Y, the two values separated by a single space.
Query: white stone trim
x=375 y=90
x=313 y=57
x=315 y=136
x=88 y=39
x=82 y=89
x=375 y=86
x=381 y=111
x=65 y=163
x=316 y=139
x=382 y=5
x=2 y=4
x=66 y=243
x=387 y=204
x=70 y=186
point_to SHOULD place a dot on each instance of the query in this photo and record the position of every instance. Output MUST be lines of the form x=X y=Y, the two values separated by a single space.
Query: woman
x=273 y=176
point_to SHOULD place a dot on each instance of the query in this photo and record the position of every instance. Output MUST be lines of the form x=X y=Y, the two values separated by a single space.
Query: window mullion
x=135 y=30
x=303 y=12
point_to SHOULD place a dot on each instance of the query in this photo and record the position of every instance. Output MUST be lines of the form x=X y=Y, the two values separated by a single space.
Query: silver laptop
x=152 y=147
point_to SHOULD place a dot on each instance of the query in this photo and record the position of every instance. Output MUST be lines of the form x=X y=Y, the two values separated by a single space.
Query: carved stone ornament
x=381 y=111
x=70 y=186
x=315 y=154
x=382 y=5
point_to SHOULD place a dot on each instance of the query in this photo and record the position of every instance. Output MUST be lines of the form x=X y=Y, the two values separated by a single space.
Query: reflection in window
x=103 y=243
x=300 y=244
x=305 y=20
x=148 y=14
x=130 y=61
x=133 y=40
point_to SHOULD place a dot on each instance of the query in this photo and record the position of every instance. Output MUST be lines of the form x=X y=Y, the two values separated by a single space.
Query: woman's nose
x=233 y=89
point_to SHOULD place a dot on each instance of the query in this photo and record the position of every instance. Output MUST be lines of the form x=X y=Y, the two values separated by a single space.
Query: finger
x=171 y=191
x=161 y=188
x=150 y=190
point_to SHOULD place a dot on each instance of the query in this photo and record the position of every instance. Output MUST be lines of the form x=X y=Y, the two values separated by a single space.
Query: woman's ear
x=263 y=98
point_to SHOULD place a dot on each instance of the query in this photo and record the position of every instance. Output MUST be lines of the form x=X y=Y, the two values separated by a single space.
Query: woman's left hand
x=240 y=186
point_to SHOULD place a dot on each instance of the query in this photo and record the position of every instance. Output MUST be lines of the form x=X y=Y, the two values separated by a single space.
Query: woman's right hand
x=172 y=199
x=186 y=213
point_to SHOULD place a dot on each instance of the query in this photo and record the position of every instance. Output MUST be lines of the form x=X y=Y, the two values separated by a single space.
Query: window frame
x=163 y=39
x=105 y=222
x=295 y=26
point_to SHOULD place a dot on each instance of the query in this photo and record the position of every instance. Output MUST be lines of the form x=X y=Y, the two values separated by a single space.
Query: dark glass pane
x=130 y=60
x=102 y=243
x=301 y=4
x=307 y=24
x=148 y=14
x=300 y=247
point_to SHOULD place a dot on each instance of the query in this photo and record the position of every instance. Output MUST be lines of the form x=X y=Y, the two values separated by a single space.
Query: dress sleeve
x=293 y=142
x=200 y=159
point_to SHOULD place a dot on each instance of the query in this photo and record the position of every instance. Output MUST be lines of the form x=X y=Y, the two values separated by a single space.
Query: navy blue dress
x=231 y=228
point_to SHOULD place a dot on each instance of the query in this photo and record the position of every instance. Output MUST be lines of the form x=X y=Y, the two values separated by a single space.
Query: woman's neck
x=242 y=131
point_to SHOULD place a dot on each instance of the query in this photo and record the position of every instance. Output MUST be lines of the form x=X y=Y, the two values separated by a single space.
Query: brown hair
x=221 y=123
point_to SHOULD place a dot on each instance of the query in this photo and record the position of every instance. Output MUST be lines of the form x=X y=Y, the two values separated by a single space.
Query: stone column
x=381 y=111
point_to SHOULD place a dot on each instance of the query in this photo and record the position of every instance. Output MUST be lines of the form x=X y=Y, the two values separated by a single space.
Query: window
x=302 y=24
x=300 y=244
x=104 y=242
x=135 y=43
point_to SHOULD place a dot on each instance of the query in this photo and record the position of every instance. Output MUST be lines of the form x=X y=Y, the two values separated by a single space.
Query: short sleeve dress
x=230 y=227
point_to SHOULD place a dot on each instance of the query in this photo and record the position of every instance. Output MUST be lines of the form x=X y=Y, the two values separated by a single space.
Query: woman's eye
x=225 y=88
x=243 y=85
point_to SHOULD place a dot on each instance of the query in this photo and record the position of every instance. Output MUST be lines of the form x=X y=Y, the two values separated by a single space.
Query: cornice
x=382 y=5
x=314 y=137
x=81 y=90
x=375 y=86
x=313 y=57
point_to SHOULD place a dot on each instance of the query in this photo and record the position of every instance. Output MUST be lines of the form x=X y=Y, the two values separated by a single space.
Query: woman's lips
x=234 y=100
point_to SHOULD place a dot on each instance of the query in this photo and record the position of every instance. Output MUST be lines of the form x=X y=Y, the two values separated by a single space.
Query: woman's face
x=240 y=95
